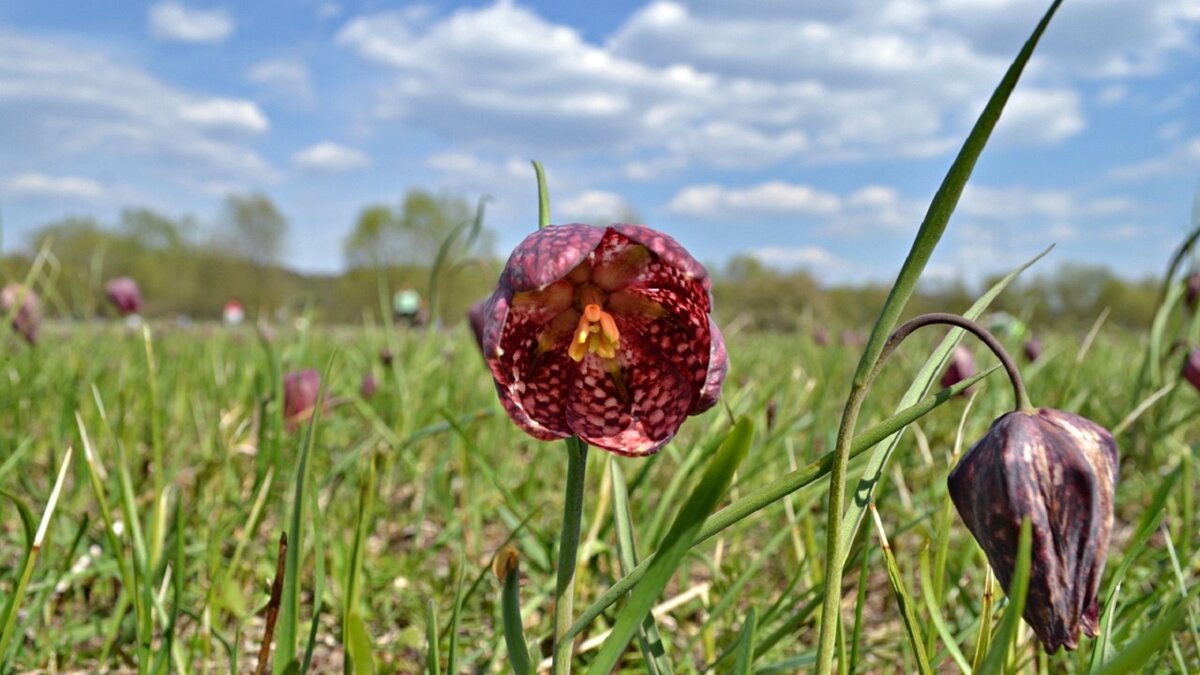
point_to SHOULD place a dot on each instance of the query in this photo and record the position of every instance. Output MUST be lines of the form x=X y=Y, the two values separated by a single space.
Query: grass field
x=164 y=541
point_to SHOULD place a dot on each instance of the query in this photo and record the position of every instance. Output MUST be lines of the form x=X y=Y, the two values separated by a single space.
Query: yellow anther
x=596 y=333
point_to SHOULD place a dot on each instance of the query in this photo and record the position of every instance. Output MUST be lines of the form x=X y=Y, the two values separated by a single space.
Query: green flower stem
x=568 y=551
x=928 y=235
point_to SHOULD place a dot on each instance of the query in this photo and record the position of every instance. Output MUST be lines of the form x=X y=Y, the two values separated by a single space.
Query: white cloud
x=1036 y=116
x=224 y=113
x=597 y=207
x=771 y=198
x=816 y=259
x=674 y=88
x=70 y=102
x=175 y=21
x=34 y=184
x=329 y=156
x=1183 y=156
x=1017 y=203
x=288 y=78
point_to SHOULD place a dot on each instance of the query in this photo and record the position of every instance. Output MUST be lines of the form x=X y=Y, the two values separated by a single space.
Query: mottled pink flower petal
x=519 y=417
x=667 y=249
x=476 y=317
x=548 y=255
x=682 y=340
x=539 y=382
x=718 y=366
x=634 y=417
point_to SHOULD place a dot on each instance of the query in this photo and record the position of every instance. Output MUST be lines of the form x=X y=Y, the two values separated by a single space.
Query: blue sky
x=810 y=134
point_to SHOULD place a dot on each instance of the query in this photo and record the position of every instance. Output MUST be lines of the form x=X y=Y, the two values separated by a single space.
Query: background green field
x=191 y=450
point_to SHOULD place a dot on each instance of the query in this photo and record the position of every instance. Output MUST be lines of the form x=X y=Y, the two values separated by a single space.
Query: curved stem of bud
x=909 y=327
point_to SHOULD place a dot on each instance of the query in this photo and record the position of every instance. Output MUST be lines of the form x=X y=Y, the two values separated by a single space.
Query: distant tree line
x=185 y=269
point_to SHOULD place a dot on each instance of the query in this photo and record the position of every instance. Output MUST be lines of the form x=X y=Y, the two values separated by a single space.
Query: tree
x=410 y=235
x=375 y=239
x=259 y=230
x=152 y=230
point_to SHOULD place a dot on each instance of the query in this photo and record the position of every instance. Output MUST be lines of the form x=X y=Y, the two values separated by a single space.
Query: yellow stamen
x=596 y=333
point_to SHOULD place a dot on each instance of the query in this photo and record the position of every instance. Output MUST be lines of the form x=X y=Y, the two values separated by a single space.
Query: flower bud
x=1193 y=290
x=300 y=390
x=1033 y=349
x=123 y=293
x=27 y=315
x=1060 y=471
x=369 y=386
x=1191 y=368
x=961 y=366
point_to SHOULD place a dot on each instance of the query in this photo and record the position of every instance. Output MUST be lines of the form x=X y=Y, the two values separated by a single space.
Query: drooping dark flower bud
x=1193 y=290
x=961 y=366
x=1033 y=349
x=1191 y=368
x=27 y=315
x=123 y=293
x=820 y=336
x=1060 y=471
x=300 y=390
x=386 y=357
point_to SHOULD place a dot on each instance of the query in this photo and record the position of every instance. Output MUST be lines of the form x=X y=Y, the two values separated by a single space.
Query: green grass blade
x=745 y=649
x=432 y=652
x=678 y=540
x=912 y=627
x=29 y=560
x=649 y=639
x=359 y=652
x=288 y=630
x=318 y=527
x=935 y=615
x=543 y=195
x=507 y=566
x=1006 y=633
x=1138 y=654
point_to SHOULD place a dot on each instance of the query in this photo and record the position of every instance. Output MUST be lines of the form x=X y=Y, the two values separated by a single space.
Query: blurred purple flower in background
x=22 y=303
x=123 y=293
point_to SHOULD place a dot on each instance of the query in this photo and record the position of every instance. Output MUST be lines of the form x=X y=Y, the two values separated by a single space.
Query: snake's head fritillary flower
x=123 y=293
x=1059 y=470
x=603 y=333
x=1191 y=368
x=22 y=302
x=300 y=391
x=1033 y=349
x=820 y=336
x=961 y=366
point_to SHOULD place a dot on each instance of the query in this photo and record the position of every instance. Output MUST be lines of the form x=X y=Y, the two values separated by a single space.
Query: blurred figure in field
x=406 y=304
x=233 y=313
x=22 y=303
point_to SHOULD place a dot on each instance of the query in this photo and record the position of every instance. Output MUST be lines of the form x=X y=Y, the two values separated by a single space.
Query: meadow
x=161 y=513
x=164 y=542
